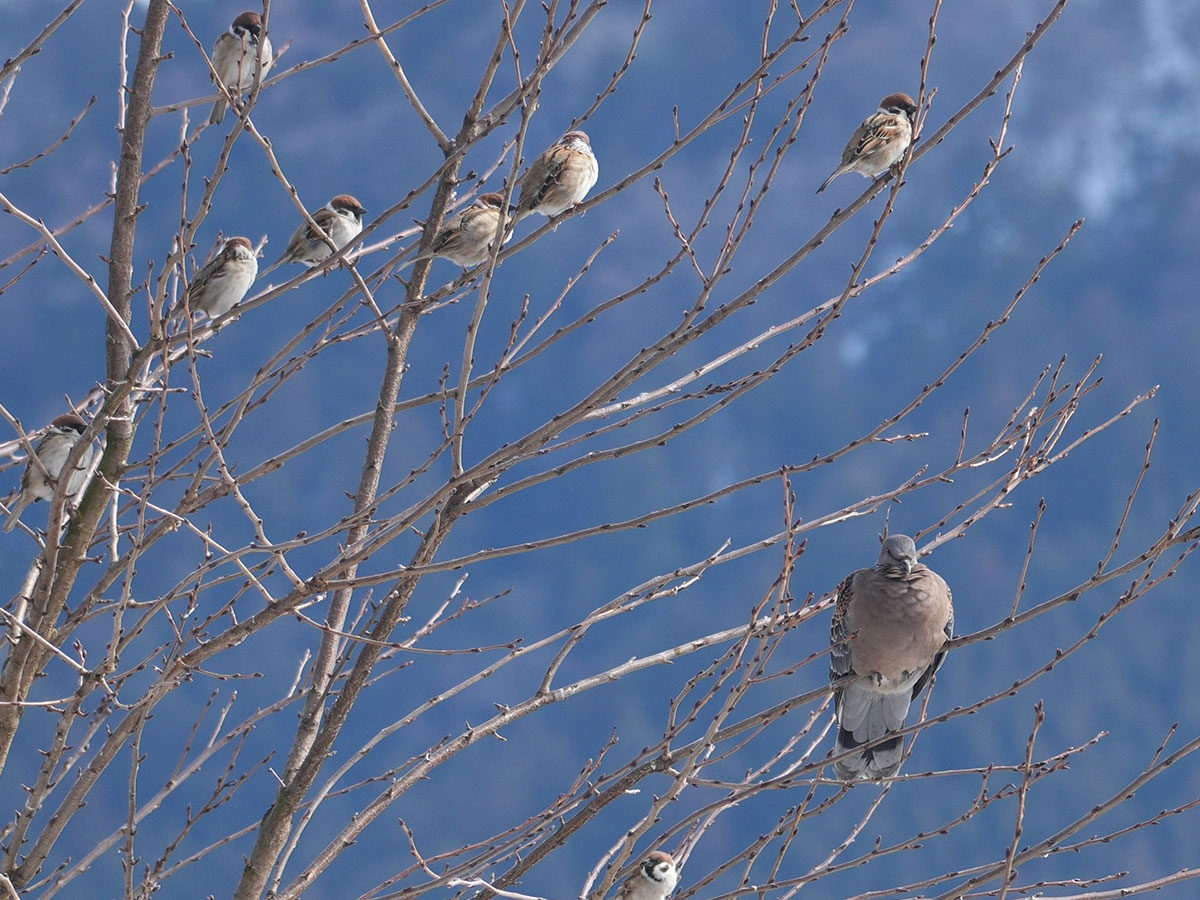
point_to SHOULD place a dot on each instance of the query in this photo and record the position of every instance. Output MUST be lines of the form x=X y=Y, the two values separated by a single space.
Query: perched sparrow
x=223 y=281
x=655 y=878
x=52 y=449
x=559 y=178
x=340 y=218
x=880 y=141
x=234 y=56
x=890 y=627
x=466 y=238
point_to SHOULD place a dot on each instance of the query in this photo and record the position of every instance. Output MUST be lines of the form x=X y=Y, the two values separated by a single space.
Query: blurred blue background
x=1104 y=126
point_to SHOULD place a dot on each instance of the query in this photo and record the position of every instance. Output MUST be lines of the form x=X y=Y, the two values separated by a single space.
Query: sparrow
x=340 y=218
x=52 y=449
x=223 y=282
x=890 y=626
x=654 y=878
x=559 y=178
x=880 y=141
x=234 y=56
x=466 y=238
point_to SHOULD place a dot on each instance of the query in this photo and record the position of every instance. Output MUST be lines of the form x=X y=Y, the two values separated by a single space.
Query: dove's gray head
x=897 y=556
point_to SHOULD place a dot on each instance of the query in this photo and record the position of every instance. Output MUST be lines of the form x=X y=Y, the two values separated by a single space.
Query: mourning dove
x=654 y=878
x=890 y=627
x=880 y=141
x=559 y=178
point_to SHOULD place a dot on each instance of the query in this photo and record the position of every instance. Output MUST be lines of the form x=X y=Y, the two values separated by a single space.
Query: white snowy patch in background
x=853 y=348
x=1140 y=118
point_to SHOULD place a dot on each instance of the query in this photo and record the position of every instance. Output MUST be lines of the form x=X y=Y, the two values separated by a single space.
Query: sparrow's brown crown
x=653 y=858
x=248 y=21
x=347 y=203
x=899 y=103
x=69 y=420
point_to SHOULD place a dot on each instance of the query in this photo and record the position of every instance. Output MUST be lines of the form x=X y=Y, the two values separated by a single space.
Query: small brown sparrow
x=466 y=238
x=234 y=56
x=880 y=141
x=52 y=449
x=654 y=878
x=559 y=178
x=340 y=218
x=223 y=282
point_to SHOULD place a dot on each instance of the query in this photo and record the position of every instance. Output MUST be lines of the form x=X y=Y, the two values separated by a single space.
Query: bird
x=234 y=57
x=466 y=238
x=52 y=450
x=880 y=141
x=340 y=218
x=890 y=626
x=559 y=178
x=654 y=878
x=222 y=282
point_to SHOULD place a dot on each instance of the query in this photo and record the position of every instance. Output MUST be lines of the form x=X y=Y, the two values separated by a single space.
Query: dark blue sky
x=1104 y=128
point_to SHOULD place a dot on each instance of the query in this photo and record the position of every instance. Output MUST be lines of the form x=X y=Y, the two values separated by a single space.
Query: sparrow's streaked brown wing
x=878 y=132
x=544 y=176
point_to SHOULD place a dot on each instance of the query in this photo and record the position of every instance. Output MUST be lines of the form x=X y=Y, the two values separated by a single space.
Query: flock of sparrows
x=557 y=180
x=891 y=621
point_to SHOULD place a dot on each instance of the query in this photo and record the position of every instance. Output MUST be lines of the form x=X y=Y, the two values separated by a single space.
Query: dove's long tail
x=866 y=715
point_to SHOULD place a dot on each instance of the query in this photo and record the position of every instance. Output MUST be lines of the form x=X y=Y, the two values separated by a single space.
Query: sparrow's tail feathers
x=829 y=180
x=18 y=507
x=272 y=267
x=217 y=116
x=414 y=257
